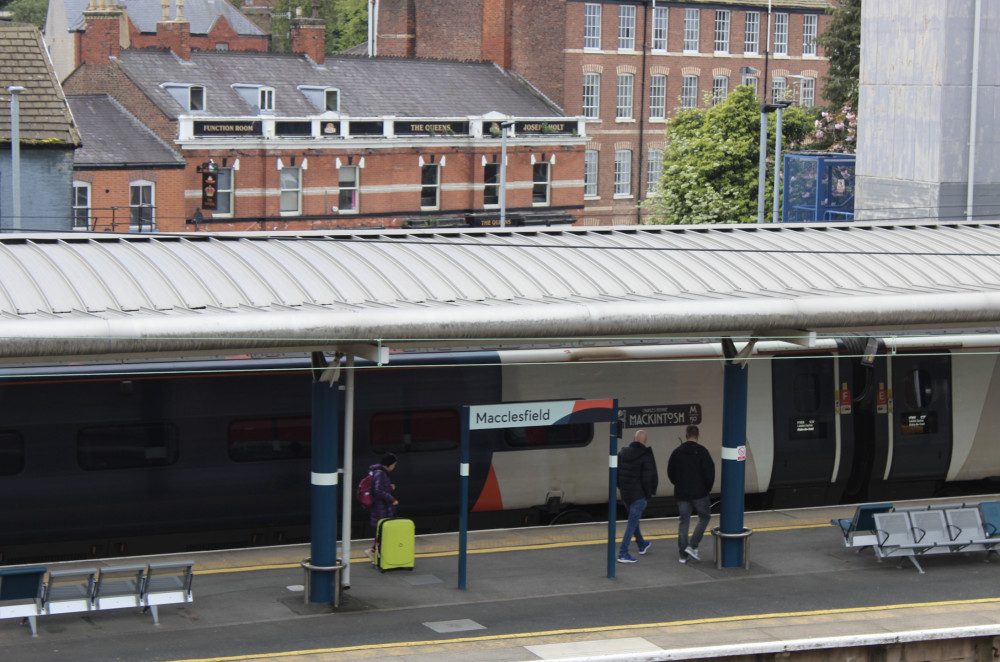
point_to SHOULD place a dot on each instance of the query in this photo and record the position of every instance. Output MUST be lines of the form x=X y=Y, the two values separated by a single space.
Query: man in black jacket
x=692 y=472
x=637 y=481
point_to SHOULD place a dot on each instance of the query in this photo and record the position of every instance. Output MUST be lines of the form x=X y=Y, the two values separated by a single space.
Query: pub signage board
x=421 y=128
x=228 y=128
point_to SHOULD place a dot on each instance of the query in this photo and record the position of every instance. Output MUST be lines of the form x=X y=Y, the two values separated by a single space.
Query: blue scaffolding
x=817 y=186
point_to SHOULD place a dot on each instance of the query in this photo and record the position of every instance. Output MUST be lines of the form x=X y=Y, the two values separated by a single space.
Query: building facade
x=626 y=67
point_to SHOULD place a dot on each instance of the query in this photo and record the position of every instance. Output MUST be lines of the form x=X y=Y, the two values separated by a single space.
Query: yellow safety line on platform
x=578 y=631
x=490 y=550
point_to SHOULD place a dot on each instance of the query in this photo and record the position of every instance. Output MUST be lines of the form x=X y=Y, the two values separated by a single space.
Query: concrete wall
x=49 y=170
x=915 y=108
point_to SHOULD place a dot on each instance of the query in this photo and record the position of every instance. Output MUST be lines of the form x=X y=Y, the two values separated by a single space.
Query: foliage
x=841 y=41
x=29 y=11
x=711 y=162
x=346 y=23
x=833 y=132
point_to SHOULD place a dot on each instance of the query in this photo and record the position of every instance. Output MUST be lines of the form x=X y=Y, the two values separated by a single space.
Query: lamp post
x=504 y=128
x=766 y=108
x=15 y=153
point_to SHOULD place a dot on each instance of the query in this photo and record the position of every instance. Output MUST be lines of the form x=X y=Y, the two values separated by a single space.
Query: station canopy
x=78 y=296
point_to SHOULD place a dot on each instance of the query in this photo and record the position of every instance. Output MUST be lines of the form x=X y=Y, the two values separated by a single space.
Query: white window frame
x=626 y=27
x=722 y=17
x=720 y=89
x=351 y=188
x=625 y=97
x=288 y=193
x=541 y=184
x=434 y=187
x=689 y=91
x=141 y=184
x=779 y=86
x=654 y=169
x=692 y=26
x=623 y=173
x=591 y=158
x=751 y=33
x=78 y=207
x=658 y=97
x=265 y=99
x=224 y=191
x=592 y=27
x=591 y=94
x=751 y=80
x=190 y=97
x=781 y=34
x=495 y=185
x=660 y=29
x=807 y=92
x=810 y=25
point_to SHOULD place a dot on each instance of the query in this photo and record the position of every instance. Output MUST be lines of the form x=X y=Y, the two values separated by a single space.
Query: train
x=124 y=458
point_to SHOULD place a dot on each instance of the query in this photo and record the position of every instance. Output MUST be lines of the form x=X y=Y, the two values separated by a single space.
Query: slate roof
x=201 y=14
x=369 y=87
x=114 y=137
x=44 y=115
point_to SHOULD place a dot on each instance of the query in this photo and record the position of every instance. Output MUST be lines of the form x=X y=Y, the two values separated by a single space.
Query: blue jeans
x=635 y=510
x=703 y=507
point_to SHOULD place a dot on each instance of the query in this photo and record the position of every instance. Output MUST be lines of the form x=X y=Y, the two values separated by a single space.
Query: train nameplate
x=660 y=415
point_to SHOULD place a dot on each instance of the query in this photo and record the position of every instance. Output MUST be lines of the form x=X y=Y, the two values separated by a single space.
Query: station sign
x=659 y=416
x=530 y=414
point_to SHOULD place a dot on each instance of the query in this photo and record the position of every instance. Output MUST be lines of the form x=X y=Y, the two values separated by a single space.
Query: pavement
x=541 y=593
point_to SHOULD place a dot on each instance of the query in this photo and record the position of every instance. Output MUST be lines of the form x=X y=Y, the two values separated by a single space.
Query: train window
x=806 y=392
x=257 y=439
x=919 y=422
x=127 y=446
x=432 y=430
x=11 y=453
x=550 y=436
x=918 y=389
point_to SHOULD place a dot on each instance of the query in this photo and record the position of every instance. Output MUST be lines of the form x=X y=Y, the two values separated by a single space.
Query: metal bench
x=117 y=588
x=859 y=531
x=21 y=594
x=167 y=583
x=907 y=533
x=69 y=591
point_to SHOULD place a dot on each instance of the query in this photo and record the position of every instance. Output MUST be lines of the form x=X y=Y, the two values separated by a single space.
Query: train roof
x=78 y=296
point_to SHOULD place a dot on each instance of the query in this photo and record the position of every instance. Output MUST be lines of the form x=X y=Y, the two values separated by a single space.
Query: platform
x=543 y=594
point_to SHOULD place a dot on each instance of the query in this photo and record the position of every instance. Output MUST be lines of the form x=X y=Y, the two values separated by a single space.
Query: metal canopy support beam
x=734 y=435
x=325 y=451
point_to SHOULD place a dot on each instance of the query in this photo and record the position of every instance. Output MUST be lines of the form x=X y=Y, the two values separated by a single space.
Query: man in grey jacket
x=637 y=482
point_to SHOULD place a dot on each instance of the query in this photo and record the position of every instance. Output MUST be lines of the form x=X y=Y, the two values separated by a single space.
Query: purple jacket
x=382 y=506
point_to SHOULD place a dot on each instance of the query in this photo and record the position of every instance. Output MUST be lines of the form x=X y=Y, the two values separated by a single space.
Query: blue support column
x=734 y=435
x=612 y=489
x=325 y=465
x=463 y=515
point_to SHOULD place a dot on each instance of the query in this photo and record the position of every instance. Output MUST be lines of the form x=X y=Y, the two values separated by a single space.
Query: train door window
x=261 y=439
x=550 y=436
x=431 y=430
x=806 y=392
x=137 y=446
x=11 y=453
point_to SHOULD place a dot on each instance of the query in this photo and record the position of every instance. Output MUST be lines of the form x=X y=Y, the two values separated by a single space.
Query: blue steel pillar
x=734 y=435
x=325 y=465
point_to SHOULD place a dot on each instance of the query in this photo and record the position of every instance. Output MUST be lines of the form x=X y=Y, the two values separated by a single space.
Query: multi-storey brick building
x=301 y=141
x=624 y=65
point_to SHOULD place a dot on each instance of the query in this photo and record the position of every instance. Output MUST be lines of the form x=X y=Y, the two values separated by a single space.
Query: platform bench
x=21 y=594
x=909 y=533
x=859 y=531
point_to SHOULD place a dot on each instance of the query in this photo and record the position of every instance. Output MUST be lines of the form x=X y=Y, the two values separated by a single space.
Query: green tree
x=29 y=11
x=352 y=16
x=711 y=161
x=346 y=23
x=841 y=42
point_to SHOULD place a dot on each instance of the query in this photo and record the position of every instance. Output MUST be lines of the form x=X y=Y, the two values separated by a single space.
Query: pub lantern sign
x=209 y=184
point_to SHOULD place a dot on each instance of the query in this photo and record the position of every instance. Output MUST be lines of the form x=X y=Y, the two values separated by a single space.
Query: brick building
x=626 y=66
x=302 y=141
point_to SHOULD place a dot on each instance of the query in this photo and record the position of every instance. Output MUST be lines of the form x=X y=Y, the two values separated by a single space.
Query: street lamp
x=15 y=153
x=766 y=108
x=504 y=128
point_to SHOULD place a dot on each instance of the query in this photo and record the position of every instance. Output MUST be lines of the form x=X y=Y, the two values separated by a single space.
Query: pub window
x=541 y=173
x=720 y=89
x=722 y=31
x=130 y=446
x=659 y=29
x=491 y=184
x=590 y=173
x=623 y=109
x=591 y=94
x=809 y=26
x=224 y=193
x=654 y=170
x=689 y=92
x=592 y=26
x=658 y=97
x=190 y=97
x=81 y=206
x=416 y=431
x=347 y=178
x=550 y=436
x=623 y=173
x=197 y=98
x=781 y=34
x=221 y=46
x=751 y=33
x=291 y=191
x=141 y=201
x=430 y=186
x=11 y=453
x=626 y=28
x=332 y=100
x=278 y=438
x=692 y=24
x=266 y=98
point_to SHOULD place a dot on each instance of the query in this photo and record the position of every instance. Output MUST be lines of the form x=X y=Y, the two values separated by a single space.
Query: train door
x=806 y=430
x=920 y=436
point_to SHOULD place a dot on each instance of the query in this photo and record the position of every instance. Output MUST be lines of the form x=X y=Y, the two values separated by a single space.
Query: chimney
x=175 y=34
x=102 y=33
x=496 y=32
x=309 y=35
x=395 y=27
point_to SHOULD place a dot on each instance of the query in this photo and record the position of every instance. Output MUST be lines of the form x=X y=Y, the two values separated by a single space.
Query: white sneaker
x=683 y=559
x=692 y=552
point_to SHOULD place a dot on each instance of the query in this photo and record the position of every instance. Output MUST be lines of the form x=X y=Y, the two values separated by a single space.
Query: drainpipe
x=642 y=125
x=15 y=152
x=972 y=112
